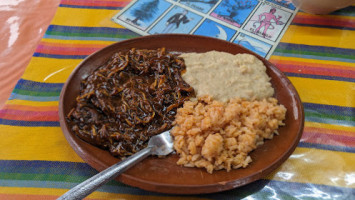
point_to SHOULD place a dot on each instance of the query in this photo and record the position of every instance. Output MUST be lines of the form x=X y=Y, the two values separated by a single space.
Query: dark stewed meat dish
x=130 y=98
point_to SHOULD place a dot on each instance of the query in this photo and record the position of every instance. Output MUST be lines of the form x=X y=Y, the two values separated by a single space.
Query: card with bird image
x=142 y=14
x=260 y=47
x=211 y=28
x=200 y=5
x=268 y=22
x=234 y=12
x=177 y=20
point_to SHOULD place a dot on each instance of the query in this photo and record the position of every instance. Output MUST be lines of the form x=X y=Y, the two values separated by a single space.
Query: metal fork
x=160 y=145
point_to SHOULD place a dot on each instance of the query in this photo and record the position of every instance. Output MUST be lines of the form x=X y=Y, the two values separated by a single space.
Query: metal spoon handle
x=87 y=187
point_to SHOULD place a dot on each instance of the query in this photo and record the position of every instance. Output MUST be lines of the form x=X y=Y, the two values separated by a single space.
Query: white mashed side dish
x=224 y=76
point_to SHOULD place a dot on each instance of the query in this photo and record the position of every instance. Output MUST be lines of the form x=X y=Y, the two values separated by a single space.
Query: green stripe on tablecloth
x=36 y=93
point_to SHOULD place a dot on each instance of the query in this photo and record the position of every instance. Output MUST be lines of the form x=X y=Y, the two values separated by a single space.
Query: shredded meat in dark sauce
x=130 y=98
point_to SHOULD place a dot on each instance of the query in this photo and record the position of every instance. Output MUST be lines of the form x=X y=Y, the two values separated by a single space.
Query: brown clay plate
x=162 y=174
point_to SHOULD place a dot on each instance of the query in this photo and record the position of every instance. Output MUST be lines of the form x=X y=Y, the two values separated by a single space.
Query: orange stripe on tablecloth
x=56 y=44
x=30 y=108
x=26 y=196
x=68 y=49
x=120 y=3
x=328 y=139
x=329 y=131
x=29 y=115
x=312 y=64
x=315 y=69
x=325 y=20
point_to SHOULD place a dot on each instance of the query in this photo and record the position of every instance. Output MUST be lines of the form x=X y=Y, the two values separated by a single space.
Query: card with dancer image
x=268 y=22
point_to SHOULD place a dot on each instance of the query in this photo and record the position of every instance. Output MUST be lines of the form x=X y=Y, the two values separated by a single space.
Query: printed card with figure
x=253 y=44
x=177 y=20
x=200 y=5
x=234 y=12
x=142 y=14
x=268 y=22
x=255 y=24
x=284 y=3
x=213 y=29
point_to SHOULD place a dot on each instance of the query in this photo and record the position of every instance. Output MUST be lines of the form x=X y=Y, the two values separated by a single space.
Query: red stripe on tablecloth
x=24 y=115
x=328 y=139
x=106 y=3
x=56 y=44
x=328 y=131
x=57 y=50
x=30 y=108
x=315 y=68
x=26 y=196
x=324 y=20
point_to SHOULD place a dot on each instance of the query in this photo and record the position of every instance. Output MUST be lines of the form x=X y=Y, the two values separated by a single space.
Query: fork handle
x=87 y=187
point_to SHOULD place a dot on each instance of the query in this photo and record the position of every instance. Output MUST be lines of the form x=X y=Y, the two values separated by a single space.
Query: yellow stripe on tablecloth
x=325 y=91
x=85 y=17
x=32 y=191
x=35 y=143
x=318 y=167
x=50 y=70
x=319 y=37
x=330 y=16
x=74 y=42
x=32 y=103
x=329 y=126
x=95 y=195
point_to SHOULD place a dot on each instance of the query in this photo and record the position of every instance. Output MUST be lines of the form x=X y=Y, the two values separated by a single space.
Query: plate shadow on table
x=237 y=193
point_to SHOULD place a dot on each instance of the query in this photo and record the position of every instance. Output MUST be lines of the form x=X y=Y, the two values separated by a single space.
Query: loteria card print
x=177 y=20
x=142 y=14
x=199 y=5
x=253 y=44
x=255 y=24
x=213 y=29
x=268 y=22
x=284 y=3
x=234 y=12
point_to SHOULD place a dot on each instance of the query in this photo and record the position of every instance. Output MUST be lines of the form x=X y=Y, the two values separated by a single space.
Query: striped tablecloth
x=317 y=53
